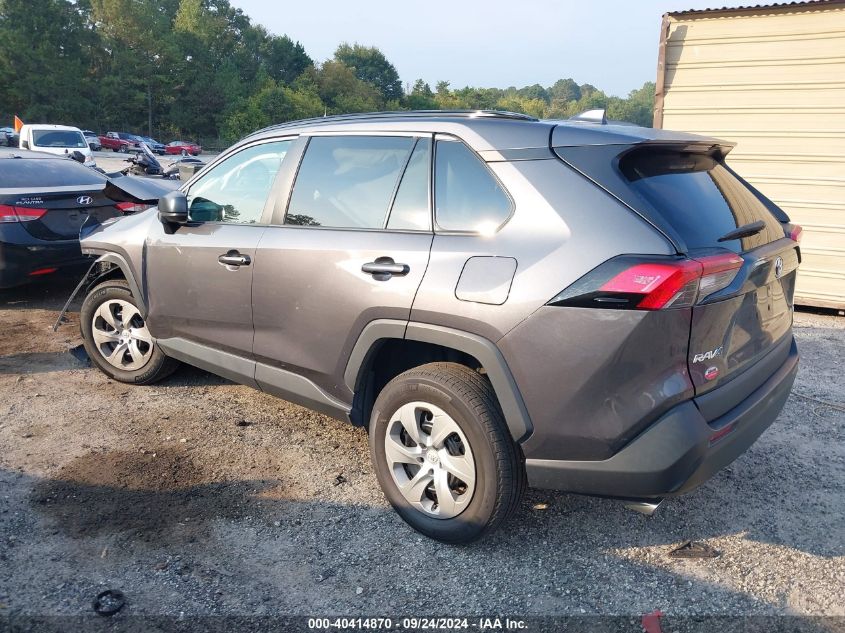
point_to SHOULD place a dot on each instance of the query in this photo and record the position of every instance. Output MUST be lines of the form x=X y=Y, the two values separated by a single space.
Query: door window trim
x=288 y=181
x=269 y=204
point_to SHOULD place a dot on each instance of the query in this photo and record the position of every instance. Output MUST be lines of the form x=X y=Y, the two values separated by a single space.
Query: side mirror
x=78 y=156
x=173 y=208
x=25 y=144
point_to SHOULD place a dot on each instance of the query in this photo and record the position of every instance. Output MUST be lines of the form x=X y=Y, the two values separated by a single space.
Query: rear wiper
x=746 y=230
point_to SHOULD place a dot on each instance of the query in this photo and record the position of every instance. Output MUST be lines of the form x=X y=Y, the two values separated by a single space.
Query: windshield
x=58 y=138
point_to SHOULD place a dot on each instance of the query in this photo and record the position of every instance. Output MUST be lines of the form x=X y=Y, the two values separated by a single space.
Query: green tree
x=370 y=65
x=421 y=97
x=565 y=90
x=45 y=57
x=274 y=103
x=342 y=91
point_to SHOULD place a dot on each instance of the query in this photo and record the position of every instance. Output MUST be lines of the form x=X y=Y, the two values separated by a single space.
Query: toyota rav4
x=501 y=301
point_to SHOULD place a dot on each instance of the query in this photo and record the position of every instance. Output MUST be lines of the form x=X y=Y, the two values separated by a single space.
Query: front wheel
x=116 y=337
x=443 y=454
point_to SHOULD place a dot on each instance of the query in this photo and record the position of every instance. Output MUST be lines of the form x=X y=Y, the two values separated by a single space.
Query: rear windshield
x=699 y=197
x=41 y=173
x=58 y=138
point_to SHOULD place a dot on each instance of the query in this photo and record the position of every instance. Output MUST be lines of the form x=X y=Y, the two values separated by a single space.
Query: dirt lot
x=199 y=496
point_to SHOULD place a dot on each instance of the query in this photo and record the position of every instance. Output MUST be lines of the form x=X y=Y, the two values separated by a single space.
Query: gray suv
x=501 y=301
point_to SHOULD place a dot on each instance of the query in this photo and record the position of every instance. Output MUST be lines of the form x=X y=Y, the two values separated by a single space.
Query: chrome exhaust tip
x=643 y=506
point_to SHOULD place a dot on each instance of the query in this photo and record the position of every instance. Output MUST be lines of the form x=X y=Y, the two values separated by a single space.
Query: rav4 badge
x=713 y=353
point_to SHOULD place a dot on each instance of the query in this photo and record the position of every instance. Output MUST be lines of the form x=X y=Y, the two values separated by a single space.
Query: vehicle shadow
x=48 y=293
x=146 y=521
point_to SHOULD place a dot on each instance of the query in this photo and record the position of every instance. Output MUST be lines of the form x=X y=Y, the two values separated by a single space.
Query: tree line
x=200 y=69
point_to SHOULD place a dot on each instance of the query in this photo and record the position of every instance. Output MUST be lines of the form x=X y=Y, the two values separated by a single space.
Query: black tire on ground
x=469 y=399
x=157 y=367
x=184 y=152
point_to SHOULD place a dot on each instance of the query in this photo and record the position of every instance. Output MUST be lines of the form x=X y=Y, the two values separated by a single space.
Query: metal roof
x=798 y=4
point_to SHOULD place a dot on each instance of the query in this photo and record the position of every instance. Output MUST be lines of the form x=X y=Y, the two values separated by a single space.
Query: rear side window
x=411 y=209
x=467 y=196
x=348 y=181
x=699 y=197
x=39 y=173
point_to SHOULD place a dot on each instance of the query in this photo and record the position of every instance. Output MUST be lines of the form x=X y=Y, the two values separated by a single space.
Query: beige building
x=772 y=79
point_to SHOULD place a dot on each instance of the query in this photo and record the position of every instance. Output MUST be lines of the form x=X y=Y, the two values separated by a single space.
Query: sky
x=611 y=44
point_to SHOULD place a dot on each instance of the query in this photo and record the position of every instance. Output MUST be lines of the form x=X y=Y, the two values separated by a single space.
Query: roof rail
x=591 y=116
x=407 y=114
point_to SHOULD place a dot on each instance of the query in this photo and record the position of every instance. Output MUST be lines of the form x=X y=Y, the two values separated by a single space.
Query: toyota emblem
x=778 y=267
x=84 y=200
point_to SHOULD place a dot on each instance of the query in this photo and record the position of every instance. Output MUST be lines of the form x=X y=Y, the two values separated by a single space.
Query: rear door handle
x=384 y=268
x=234 y=258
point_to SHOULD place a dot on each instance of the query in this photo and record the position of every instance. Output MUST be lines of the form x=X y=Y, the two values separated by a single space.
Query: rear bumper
x=678 y=452
x=22 y=255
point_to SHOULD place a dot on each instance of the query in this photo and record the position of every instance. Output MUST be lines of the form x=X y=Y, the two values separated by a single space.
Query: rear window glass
x=58 y=138
x=700 y=198
x=40 y=173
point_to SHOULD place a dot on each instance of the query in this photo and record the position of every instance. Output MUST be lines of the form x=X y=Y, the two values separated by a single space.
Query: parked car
x=44 y=200
x=93 y=140
x=55 y=139
x=9 y=137
x=120 y=141
x=595 y=308
x=154 y=145
x=183 y=147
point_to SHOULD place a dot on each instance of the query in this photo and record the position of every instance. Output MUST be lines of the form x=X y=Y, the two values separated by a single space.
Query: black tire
x=469 y=399
x=157 y=367
x=122 y=149
x=184 y=152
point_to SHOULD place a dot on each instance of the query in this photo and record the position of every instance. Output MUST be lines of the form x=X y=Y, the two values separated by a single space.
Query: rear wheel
x=116 y=337
x=184 y=152
x=122 y=149
x=443 y=454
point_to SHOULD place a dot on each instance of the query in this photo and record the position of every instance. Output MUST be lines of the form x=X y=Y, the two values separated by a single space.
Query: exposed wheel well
x=104 y=271
x=390 y=357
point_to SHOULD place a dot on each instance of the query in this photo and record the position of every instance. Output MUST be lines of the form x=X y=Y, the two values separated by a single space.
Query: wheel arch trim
x=486 y=352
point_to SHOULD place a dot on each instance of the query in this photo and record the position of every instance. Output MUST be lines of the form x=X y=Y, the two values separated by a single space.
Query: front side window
x=348 y=181
x=467 y=196
x=235 y=190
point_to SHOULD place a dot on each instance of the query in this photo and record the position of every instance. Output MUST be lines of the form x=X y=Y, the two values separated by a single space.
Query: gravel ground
x=201 y=497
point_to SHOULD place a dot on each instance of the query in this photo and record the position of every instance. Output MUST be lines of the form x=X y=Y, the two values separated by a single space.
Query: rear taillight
x=638 y=283
x=793 y=232
x=19 y=214
x=131 y=207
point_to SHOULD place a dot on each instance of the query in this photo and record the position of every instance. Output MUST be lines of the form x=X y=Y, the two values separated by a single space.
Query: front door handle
x=384 y=268
x=234 y=258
